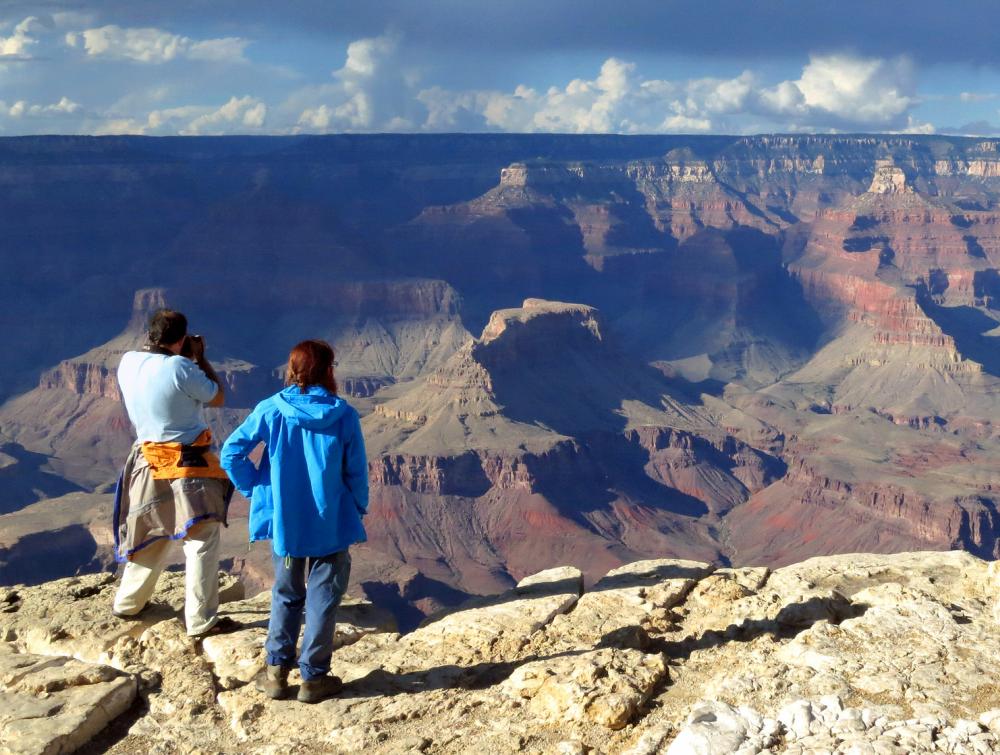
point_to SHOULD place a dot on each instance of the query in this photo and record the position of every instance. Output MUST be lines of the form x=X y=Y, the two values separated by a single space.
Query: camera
x=188 y=348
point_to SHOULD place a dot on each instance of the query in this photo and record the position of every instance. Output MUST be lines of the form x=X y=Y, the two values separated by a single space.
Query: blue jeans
x=327 y=582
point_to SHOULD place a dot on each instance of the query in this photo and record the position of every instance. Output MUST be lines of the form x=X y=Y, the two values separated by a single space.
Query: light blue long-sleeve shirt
x=164 y=396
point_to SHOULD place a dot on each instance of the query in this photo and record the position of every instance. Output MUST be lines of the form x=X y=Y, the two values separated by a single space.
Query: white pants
x=201 y=577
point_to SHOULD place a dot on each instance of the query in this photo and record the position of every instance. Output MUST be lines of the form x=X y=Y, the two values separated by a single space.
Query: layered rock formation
x=857 y=653
x=902 y=389
x=542 y=440
x=683 y=194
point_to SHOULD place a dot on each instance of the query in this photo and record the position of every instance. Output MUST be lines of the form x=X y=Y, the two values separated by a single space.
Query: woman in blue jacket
x=308 y=497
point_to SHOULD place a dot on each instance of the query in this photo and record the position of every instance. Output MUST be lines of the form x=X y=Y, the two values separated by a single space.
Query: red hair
x=310 y=363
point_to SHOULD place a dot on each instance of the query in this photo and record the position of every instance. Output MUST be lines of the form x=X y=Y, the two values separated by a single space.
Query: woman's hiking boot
x=314 y=690
x=273 y=682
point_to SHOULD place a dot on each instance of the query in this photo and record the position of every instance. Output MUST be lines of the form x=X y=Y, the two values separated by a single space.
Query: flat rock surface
x=842 y=654
x=55 y=704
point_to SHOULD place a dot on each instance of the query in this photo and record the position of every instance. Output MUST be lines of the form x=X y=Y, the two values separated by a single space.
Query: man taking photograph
x=172 y=487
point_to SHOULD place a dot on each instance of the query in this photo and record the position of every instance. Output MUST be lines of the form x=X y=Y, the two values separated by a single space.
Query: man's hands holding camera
x=195 y=347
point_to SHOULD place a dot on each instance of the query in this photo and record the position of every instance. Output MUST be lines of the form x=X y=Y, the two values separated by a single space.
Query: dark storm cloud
x=930 y=32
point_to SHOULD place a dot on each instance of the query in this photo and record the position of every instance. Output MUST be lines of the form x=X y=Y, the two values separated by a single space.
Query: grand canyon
x=567 y=350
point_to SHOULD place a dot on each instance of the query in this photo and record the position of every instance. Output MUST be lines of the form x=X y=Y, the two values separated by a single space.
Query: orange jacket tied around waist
x=176 y=461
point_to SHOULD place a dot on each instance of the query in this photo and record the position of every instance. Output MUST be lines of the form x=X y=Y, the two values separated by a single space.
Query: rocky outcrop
x=57 y=704
x=683 y=195
x=894 y=314
x=983 y=167
x=969 y=521
x=546 y=318
x=679 y=459
x=897 y=262
x=461 y=475
x=501 y=469
x=671 y=451
x=549 y=174
x=858 y=653
x=826 y=725
x=889 y=179
x=82 y=379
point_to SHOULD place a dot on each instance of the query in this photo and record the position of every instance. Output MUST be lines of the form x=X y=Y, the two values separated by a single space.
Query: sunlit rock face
x=859 y=652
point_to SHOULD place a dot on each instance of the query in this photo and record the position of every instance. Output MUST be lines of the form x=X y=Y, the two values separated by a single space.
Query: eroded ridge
x=846 y=654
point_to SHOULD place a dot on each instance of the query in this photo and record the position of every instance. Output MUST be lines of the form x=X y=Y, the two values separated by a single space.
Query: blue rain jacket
x=311 y=489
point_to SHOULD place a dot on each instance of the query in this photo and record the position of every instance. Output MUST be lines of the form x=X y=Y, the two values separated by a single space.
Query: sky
x=204 y=67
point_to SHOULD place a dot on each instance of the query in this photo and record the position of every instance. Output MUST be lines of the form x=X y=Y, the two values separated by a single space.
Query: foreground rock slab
x=825 y=725
x=842 y=654
x=604 y=686
x=56 y=704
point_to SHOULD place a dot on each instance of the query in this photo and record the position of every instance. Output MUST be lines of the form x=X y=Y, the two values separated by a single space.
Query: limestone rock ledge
x=55 y=704
x=841 y=654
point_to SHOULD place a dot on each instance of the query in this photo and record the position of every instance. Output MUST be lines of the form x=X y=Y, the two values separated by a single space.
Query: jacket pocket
x=261 y=523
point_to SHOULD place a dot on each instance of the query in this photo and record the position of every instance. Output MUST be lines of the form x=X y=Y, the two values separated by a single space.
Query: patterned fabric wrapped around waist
x=175 y=461
x=150 y=508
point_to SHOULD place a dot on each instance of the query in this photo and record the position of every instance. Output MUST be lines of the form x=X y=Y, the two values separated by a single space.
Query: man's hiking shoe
x=315 y=690
x=130 y=616
x=224 y=625
x=273 y=682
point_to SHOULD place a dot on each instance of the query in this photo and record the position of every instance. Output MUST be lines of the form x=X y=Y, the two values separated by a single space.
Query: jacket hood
x=315 y=409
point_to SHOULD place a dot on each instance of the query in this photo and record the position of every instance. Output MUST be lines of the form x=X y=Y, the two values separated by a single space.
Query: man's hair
x=309 y=364
x=166 y=327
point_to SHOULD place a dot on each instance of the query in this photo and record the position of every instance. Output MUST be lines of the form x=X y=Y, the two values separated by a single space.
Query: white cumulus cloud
x=870 y=92
x=24 y=117
x=616 y=100
x=832 y=92
x=373 y=91
x=239 y=115
x=24 y=37
x=684 y=124
x=149 y=45
x=24 y=109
